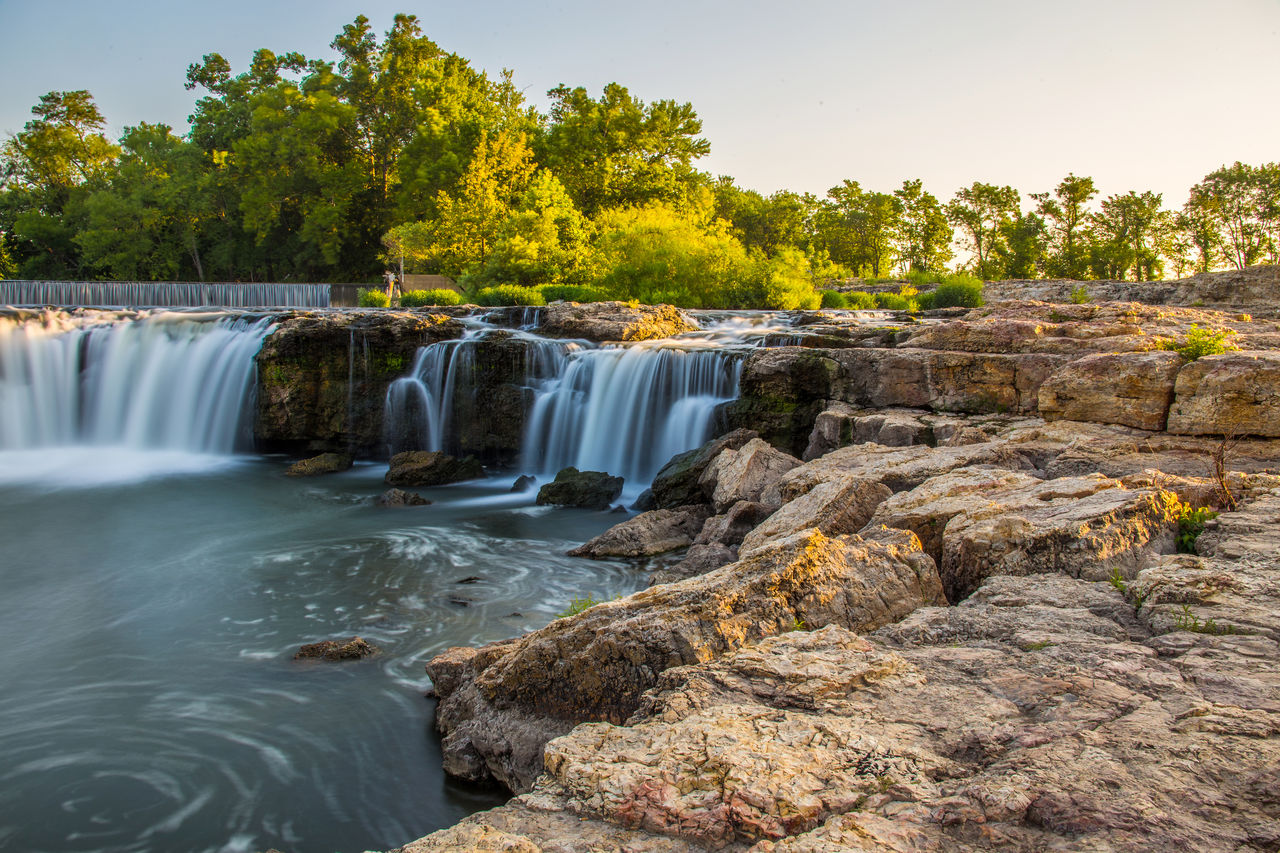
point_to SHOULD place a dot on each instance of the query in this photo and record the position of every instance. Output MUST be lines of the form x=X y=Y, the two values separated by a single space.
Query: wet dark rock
x=399 y=497
x=645 y=502
x=586 y=489
x=677 y=484
x=353 y=648
x=523 y=483
x=325 y=463
x=469 y=579
x=431 y=468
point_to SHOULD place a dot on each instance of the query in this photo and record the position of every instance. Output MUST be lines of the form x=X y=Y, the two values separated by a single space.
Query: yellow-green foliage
x=374 y=299
x=573 y=293
x=509 y=294
x=418 y=298
x=1201 y=342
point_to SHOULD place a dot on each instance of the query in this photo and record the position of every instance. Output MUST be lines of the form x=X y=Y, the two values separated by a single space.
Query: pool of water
x=151 y=607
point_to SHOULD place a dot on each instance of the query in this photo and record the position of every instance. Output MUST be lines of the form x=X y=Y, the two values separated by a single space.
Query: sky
x=799 y=95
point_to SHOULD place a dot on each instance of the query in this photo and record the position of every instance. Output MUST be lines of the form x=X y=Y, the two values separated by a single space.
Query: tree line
x=300 y=169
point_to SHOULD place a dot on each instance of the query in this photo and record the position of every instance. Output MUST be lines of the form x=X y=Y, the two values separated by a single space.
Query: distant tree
x=1020 y=252
x=1197 y=225
x=1129 y=229
x=1245 y=201
x=859 y=229
x=1067 y=217
x=619 y=151
x=924 y=235
x=984 y=213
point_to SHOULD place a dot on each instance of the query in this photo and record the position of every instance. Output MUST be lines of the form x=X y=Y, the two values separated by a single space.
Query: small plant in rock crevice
x=1079 y=295
x=1201 y=342
x=1191 y=523
x=1185 y=620
x=1126 y=589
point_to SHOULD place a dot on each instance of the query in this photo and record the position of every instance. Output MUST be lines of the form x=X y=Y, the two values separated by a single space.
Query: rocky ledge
x=943 y=594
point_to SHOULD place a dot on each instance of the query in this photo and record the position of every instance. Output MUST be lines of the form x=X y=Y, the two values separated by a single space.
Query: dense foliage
x=397 y=151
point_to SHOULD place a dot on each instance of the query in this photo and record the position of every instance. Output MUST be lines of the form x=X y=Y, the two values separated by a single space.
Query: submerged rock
x=354 y=648
x=399 y=497
x=325 y=463
x=431 y=468
x=524 y=483
x=586 y=489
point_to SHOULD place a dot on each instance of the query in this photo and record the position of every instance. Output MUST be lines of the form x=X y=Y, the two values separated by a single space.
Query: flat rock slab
x=655 y=532
x=614 y=321
x=1130 y=388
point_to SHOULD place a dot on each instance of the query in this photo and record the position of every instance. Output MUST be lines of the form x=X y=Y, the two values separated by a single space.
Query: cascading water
x=627 y=410
x=621 y=409
x=167 y=382
x=153 y=294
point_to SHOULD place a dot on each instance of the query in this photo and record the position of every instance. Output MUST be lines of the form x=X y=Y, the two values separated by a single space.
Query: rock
x=731 y=526
x=1132 y=389
x=841 y=424
x=524 y=483
x=430 y=468
x=843 y=505
x=749 y=473
x=1234 y=394
x=399 y=497
x=677 y=484
x=354 y=648
x=586 y=489
x=325 y=463
x=323 y=376
x=655 y=532
x=645 y=502
x=781 y=393
x=900 y=468
x=614 y=321
x=596 y=665
x=701 y=558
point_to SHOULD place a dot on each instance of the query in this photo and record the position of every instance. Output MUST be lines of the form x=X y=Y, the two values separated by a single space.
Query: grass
x=1126 y=589
x=576 y=606
x=1188 y=621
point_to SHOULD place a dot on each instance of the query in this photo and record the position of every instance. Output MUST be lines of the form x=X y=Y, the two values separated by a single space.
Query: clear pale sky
x=793 y=95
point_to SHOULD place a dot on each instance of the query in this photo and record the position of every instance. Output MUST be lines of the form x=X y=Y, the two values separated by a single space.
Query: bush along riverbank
x=949 y=586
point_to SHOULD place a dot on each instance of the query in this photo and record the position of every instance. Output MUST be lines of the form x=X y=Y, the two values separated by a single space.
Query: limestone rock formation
x=613 y=321
x=749 y=473
x=678 y=483
x=596 y=665
x=1235 y=393
x=1132 y=389
x=430 y=468
x=655 y=532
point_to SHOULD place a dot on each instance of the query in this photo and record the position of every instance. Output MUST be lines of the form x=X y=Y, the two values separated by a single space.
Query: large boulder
x=586 y=489
x=1133 y=389
x=597 y=664
x=843 y=505
x=1235 y=394
x=614 y=321
x=678 y=483
x=749 y=473
x=430 y=468
x=655 y=532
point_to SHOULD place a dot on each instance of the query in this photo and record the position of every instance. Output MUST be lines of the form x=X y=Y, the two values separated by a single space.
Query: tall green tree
x=924 y=234
x=1245 y=201
x=984 y=214
x=859 y=229
x=618 y=151
x=1129 y=230
x=1066 y=213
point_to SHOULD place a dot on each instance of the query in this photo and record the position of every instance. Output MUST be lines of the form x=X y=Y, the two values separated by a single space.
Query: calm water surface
x=150 y=609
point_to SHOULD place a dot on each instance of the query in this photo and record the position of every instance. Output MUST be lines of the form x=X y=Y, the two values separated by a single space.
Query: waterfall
x=163 y=382
x=627 y=410
x=150 y=294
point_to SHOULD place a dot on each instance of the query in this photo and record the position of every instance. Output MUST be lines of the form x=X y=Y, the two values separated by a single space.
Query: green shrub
x=572 y=293
x=958 y=291
x=1191 y=525
x=919 y=279
x=894 y=302
x=418 y=298
x=927 y=301
x=833 y=299
x=370 y=298
x=509 y=294
x=1079 y=294
x=1201 y=342
x=860 y=300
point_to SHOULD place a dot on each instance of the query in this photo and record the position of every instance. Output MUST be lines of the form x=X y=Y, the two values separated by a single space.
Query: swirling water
x=151 y=702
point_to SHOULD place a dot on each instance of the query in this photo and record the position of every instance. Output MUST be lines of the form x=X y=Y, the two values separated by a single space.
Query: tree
x=1067 y=215
x=618 y=151
x=1129 y=227
x=1020 y=252
x=924 y=235
x=1197 y=224
x=859 y=229
x=983 y=212
x=1245 y=200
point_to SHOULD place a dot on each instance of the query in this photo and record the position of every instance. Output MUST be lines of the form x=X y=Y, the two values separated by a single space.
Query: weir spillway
x=160 y=294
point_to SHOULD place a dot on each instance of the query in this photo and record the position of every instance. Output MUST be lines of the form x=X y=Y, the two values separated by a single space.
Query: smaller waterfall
x=627 y=410
x=165 y=382
x=152 y=294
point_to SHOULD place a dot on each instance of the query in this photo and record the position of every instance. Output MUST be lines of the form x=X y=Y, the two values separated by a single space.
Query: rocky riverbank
x=943 y=590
